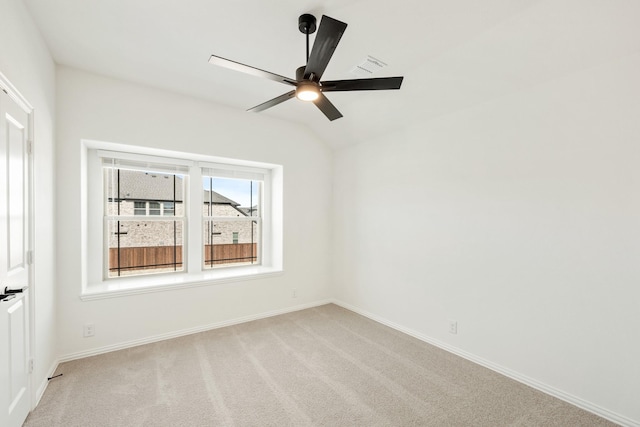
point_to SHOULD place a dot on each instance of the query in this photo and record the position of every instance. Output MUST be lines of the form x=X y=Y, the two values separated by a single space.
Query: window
x=154 y=208
x=140 y=208
x=135 y=246
x=183 y=218
x=232 y=216
x=168 y=208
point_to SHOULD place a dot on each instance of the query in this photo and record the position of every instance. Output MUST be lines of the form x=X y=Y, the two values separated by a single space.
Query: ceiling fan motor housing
x=307 y=24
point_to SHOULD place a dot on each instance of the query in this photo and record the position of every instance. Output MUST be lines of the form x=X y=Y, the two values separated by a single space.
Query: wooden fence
x=230 y=253
x=155 y=257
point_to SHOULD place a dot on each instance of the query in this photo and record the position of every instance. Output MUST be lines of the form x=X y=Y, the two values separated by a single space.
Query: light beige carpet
x=324 y=366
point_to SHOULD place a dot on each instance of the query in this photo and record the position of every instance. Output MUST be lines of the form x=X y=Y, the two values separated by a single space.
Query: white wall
x=27 y=64
x=520 y=219
x=99 y=108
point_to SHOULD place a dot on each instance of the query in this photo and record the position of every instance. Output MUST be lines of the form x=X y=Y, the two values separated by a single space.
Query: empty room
x=319 y=213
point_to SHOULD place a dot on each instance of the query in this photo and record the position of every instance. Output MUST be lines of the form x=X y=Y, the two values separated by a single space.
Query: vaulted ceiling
x=453 y=54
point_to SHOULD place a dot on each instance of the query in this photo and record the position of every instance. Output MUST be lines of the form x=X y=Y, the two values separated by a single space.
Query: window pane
x=130 y=192
x=230 y=243
x=168 y=209
x=144 y=247
x=226 y=197
x=233 y=242
x=154 y=208
x=140 y=208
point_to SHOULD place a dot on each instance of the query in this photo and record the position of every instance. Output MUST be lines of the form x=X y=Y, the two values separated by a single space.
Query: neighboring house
x=145 y=194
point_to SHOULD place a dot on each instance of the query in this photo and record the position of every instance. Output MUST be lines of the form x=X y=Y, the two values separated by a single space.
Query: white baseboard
x=576 y=401
x=183 y=332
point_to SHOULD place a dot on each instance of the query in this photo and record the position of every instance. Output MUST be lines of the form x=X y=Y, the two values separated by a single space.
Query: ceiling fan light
x=307 y=92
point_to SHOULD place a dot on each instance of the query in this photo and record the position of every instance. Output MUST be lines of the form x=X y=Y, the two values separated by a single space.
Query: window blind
x=141 y=162
x=232 y=171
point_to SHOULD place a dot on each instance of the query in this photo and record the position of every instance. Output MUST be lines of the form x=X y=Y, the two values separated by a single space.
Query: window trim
x=113 y=163
x=93 y=287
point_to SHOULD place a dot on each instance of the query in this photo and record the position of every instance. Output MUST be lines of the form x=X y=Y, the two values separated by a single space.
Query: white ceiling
x=453 y=54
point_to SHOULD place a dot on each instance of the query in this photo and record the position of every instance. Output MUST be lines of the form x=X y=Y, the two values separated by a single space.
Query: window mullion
x=195 y=245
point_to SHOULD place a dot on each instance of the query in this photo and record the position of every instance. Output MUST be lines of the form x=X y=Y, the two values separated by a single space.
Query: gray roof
x=249 y=210
x=218 y=198
x=137 y=185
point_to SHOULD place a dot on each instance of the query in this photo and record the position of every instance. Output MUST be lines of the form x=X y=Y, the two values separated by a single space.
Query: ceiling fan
x=308 y=86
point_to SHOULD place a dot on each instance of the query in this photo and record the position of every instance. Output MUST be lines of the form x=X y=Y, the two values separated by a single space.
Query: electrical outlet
x=89 y=330
x=453 y=327
x=294 y=293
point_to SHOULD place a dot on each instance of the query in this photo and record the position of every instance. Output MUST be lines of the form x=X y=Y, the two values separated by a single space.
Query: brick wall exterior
x=141 y=233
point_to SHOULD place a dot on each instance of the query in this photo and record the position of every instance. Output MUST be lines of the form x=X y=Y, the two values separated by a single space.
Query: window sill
x=167 y=282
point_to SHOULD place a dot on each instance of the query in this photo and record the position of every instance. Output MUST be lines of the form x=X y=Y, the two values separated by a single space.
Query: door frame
x=18 y=98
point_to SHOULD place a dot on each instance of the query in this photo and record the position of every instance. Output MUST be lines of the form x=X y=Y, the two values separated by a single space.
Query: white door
x=14 y=265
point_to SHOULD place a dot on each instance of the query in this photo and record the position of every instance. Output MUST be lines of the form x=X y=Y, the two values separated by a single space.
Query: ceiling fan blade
x=232 y=65
x=273 y=102
x=329 y=34
x=327 y=108
x=382 y=83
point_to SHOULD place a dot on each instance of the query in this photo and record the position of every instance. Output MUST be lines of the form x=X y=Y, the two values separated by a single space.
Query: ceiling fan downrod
x=307 y=25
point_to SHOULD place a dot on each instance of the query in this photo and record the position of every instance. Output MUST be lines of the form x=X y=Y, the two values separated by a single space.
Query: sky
x=238 y=190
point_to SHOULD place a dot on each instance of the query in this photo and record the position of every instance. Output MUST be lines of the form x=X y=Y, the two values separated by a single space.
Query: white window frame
x=121 y=161
x=94 y=284
x=262 y=175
